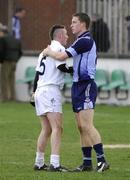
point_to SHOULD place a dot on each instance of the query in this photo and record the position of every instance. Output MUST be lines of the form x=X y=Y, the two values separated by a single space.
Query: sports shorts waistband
x=82 y=81
x=50 y=86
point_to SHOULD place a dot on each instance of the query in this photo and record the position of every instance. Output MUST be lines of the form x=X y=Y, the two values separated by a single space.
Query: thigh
x=55 y=119
x=86 y=117
x=45 y=123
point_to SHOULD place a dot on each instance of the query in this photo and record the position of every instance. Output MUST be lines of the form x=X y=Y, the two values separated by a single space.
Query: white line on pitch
x=114 y=146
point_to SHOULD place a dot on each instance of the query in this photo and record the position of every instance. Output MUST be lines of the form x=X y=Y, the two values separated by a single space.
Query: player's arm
x=65 y=68
x=56 y=55
x=35 y=81
x=32 y=102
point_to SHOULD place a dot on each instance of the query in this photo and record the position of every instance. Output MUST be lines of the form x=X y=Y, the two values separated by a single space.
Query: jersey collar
x=56 y=42
x=86 y=33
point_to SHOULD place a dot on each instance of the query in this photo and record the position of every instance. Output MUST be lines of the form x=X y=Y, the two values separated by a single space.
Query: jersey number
x=42 y=64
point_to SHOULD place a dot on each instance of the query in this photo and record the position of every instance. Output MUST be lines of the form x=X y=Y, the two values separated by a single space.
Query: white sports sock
x=55 y=160
x=39 y=161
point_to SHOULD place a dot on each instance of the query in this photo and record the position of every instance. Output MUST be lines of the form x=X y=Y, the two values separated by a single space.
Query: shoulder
x=86 y=39
x=56 y=46
x=40 y=55
x=14 y=19
x=83 y=42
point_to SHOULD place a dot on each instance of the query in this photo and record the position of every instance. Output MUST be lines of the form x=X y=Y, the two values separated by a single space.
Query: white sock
x=39 y=161
x=55 y=160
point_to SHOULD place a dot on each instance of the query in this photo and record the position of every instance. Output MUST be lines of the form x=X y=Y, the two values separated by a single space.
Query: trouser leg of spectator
x=4 y=81
x=12 y=80
x=129 y=39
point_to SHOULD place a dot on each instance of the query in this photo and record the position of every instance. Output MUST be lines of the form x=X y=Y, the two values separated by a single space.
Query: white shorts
x=48 y=99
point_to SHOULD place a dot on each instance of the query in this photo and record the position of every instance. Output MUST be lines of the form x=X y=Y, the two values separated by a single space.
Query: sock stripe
x=86 y=158
x=100 y=156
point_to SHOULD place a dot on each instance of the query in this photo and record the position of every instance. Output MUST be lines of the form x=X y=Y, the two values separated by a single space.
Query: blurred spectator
x=2 y=28
x=1 y=53
x=16 y=22
x=100 y=33
x=128 y=29
x=10 y=52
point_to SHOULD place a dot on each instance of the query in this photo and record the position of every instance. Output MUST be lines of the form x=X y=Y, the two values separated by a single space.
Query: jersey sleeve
x=80 y=46
x=39 y=60
x=59 y=49
x=60 y=62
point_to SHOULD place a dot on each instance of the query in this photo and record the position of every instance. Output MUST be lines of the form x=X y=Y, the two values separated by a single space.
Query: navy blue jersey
x=16 y=27
x=83 y=51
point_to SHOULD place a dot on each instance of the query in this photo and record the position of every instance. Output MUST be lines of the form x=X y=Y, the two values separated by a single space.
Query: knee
x=61 y=130
x=40 y=146
x=81 y=129
x=47 y=132
x=58 y=130
x=84 y=129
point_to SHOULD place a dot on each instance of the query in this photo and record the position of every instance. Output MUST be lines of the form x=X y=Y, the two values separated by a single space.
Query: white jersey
x=49 y=74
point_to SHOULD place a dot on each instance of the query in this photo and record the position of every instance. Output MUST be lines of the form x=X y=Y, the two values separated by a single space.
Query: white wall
x=21 y=88
x=108 y=64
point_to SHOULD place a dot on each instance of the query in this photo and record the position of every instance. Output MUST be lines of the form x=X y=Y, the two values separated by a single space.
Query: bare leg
x=55 y=120
x=89 y=134
x=84 y=140
x=44 y=134
x=42 y=141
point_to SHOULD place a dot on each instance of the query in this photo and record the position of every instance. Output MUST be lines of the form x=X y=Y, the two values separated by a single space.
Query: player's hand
x=32 y=102
x=46 y=51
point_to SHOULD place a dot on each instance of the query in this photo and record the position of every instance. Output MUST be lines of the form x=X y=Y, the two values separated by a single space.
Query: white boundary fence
x=106 y=64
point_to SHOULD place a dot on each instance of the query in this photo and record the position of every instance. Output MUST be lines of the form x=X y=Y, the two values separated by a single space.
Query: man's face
x=22 y=14
x=76 y=26
x=64 y=37
x=1 y=34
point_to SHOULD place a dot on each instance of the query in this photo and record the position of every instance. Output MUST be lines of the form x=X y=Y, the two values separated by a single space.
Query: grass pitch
x=19 y=129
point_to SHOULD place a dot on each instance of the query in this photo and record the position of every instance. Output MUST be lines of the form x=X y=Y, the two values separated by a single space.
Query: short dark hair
x=54 y=28
x=83 y=17
x=19 y=9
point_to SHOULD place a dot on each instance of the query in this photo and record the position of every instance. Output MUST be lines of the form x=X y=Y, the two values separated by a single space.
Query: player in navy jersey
x=84 y=90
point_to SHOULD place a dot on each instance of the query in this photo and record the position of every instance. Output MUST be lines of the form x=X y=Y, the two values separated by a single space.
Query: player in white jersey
x=48 y=81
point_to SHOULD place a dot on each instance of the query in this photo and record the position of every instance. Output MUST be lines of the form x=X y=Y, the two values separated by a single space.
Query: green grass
x=19 y=129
